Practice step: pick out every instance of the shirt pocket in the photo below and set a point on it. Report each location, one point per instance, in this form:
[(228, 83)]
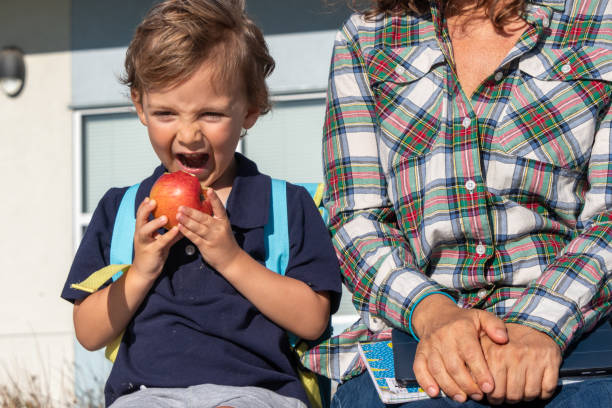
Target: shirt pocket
[(408, 94), (555, 109)]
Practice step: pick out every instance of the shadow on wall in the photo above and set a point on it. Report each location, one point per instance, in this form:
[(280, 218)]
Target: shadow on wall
[(40, 26)]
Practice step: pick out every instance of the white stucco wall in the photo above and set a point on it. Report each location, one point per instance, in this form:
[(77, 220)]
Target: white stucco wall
[(36, 335)]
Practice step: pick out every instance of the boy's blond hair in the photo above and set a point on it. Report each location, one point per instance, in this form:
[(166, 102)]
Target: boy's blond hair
[(177, 36)]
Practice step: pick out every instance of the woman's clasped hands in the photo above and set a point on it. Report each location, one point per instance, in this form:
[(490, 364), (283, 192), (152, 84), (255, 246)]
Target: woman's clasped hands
[(471, 353)]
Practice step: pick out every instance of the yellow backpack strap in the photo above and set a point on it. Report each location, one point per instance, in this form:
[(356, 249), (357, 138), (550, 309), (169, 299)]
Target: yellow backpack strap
[(99, 277), (309, 380), (113, 347), (122, 244), (318, 195)]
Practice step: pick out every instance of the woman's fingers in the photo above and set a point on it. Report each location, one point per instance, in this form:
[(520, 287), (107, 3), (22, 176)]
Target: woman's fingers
[(445, 380), (423, 376), (476, 370), (498, 395), (549, 382), (449, 370)]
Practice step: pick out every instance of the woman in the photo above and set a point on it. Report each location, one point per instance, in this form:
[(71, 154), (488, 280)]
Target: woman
[(467, 152)]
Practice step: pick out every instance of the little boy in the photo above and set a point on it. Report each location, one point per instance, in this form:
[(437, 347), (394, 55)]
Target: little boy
[(205, 322)]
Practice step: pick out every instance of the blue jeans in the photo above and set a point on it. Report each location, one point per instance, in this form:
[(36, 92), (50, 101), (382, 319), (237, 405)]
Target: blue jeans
[(359, 392)]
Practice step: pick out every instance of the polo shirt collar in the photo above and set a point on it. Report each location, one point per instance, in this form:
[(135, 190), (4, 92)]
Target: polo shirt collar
[(249, 201)]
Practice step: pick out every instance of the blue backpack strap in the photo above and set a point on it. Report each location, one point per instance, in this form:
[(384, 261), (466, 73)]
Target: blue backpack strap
[(122, 241), (276, 231)]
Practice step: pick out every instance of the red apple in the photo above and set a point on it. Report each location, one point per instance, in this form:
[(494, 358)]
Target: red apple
[(176, 189)]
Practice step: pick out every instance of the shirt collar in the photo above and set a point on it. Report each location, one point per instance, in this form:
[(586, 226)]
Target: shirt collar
[(557, 5), (249, 201), (436, 7)]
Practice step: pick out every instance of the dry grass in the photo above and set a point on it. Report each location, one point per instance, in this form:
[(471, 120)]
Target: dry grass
[(32, 392)]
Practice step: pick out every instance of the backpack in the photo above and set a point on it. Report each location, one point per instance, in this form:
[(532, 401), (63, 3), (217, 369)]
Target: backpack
[(276, 235)]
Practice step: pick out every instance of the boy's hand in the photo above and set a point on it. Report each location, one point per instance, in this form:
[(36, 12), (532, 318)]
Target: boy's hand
[(525, 368), (150, 247), (212, 235)]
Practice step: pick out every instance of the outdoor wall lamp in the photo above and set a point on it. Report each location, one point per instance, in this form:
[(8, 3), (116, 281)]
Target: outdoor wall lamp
[(12, 71)]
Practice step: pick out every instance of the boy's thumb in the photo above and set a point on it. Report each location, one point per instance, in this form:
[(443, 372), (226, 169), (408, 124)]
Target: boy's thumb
[(494, 327)]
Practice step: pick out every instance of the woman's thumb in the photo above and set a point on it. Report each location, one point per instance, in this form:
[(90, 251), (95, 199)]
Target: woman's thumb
[(494, 327)]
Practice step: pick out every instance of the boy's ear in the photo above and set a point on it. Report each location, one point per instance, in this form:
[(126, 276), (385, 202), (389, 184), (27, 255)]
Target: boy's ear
[(137, 101), (250, 118)]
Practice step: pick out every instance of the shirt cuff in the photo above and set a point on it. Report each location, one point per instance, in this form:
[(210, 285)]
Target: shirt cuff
[(549, 312)]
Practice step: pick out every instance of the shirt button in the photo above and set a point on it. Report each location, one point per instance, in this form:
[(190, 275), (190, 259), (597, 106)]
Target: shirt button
[(190, 250), (470, 185), (499, 75), (566, 68), (400, 70), (482, 293), (466, 122), (545, 22), (480, 249)]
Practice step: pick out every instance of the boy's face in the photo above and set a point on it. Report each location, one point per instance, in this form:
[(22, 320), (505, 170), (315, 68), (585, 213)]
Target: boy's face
[(195, 128)]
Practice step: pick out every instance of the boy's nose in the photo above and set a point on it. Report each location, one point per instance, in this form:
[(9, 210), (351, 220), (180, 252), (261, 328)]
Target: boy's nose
[(190, 134)]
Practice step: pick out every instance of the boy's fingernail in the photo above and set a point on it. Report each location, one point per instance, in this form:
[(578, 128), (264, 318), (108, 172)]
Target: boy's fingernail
[(476, 397), (431, 391)]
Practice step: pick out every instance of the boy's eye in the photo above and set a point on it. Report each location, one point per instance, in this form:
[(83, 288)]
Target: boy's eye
[(162, 113), (211, 114)]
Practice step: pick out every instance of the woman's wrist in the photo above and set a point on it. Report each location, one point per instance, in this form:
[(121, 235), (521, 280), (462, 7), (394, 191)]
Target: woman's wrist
[(424, 312)]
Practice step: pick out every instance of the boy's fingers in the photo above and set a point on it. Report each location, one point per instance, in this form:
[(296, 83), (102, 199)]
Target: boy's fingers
[(144, 210), (169, 238), (193, 220), (216, 204), (190, 235), (150, 228)]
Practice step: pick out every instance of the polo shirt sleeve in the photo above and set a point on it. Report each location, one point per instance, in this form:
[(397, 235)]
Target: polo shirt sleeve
[(94, 250), (311, 255)]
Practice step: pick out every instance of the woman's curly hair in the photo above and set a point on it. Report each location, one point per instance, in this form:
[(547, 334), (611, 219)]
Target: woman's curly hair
[(499, 16)]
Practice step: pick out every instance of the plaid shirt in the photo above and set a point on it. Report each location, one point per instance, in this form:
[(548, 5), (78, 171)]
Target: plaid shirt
[(502, 199)]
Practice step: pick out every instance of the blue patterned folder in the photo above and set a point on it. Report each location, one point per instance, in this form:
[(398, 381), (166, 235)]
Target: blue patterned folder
[(378, 357)]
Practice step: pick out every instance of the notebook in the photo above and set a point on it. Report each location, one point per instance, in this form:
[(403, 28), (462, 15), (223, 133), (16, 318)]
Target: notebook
[(592, 356), (378, 358)]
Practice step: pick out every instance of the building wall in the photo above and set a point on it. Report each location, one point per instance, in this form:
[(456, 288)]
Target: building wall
[(36, 205), (74, 55)]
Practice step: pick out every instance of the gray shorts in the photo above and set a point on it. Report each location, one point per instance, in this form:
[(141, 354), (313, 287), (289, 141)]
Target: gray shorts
[(206, 396)]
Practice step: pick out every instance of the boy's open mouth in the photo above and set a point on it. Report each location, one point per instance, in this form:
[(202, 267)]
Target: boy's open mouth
[(193, 160)]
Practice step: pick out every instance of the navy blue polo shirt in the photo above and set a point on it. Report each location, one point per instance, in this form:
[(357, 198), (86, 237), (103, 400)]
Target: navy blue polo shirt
[(193, 327)]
